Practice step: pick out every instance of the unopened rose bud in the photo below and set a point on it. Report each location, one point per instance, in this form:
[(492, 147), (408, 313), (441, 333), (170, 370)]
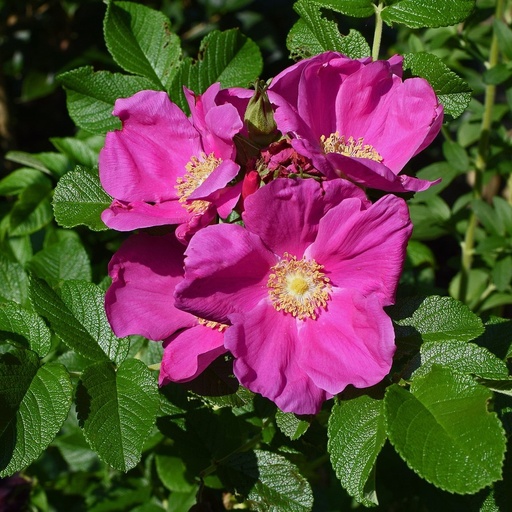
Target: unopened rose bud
[(259, 117)]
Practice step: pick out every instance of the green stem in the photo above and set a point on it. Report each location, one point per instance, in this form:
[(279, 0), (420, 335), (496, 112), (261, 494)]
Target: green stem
[(377, 36), (468, 244)]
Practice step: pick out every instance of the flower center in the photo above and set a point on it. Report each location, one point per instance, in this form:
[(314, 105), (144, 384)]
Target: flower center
[(197, 171), (298, 287), (213, 325), (349, 147)]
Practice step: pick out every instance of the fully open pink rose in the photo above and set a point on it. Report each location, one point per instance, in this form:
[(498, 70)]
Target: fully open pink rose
[(303, 286), (166, 168), (144, 271), (358, 119)]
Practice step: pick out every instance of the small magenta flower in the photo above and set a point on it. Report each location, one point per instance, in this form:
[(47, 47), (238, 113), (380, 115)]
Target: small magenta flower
[(358, 119), (165, 168), (145, 271), (302, 287)]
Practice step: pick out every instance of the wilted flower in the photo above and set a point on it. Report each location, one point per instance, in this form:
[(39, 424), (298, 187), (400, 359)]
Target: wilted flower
[(303, 287), (357, 119)]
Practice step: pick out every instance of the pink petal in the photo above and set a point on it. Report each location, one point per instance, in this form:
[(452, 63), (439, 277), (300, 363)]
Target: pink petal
[(145, 270), (189, 352), (351, 343), (364, 249), (142, 161), (129, 216), (266, 345), (226, 270), (217, 180), (286, 212)]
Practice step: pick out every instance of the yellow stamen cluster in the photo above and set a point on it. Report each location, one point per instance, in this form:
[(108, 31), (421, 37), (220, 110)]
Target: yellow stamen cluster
[(298, 287), (349, 147), (197, 171), (213, 325)]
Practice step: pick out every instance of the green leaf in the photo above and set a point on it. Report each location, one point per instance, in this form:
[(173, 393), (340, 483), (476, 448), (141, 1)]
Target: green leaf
[(453, 93), (462, 357), (17, 320), (291, 425), (172, 471), (51, 163), (62, 261), (13, 281), (79, 150), (313, 34), (15, 182), (497, 74), (503, 386), (32, 211), (488, 217), (504, 213), (80, 199), (504, 35), (429, 218), (269, 482), (35, 402), (356, 435), (444, 432), (75, 451), (435, 319), (456, 155), (117, 410), (141, 42), (227, 57), (502, 273), (78, 318), (434, 13), (91, 96)]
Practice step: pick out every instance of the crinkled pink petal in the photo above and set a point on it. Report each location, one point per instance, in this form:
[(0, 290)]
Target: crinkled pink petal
[(267, 347), (285, 213), (350, 343), (188, 353), (144, 271), (136, 215), (142, 161), (364, 249), (186, 230), (226, 271), (228, 199)]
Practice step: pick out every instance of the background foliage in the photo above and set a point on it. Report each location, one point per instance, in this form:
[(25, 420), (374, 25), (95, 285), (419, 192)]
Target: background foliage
[(84, 425)]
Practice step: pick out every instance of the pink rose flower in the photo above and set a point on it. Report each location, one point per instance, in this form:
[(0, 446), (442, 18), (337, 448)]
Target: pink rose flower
[(303, 287), (358, 119), (164, 168), (144, 271)]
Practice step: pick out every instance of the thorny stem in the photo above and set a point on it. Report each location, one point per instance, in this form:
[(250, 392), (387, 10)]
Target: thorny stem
[(480, 164), (377, 35)]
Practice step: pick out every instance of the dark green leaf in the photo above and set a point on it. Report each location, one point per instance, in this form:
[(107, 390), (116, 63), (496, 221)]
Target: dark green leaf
[(436, 319), (78, 318), (502, 273), (291, 425), (313, 34), (80, 199), (62, 261), (356, 435), (227, 57), (17, 320), (13, 281), (35, 402), (17, 181), (445, 433), (456, 155), (141, 42), (117, 410), (497, 74), (434, 13), (91, 96), (270, 483), (32, 211), (453, 93), (462, 357)]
